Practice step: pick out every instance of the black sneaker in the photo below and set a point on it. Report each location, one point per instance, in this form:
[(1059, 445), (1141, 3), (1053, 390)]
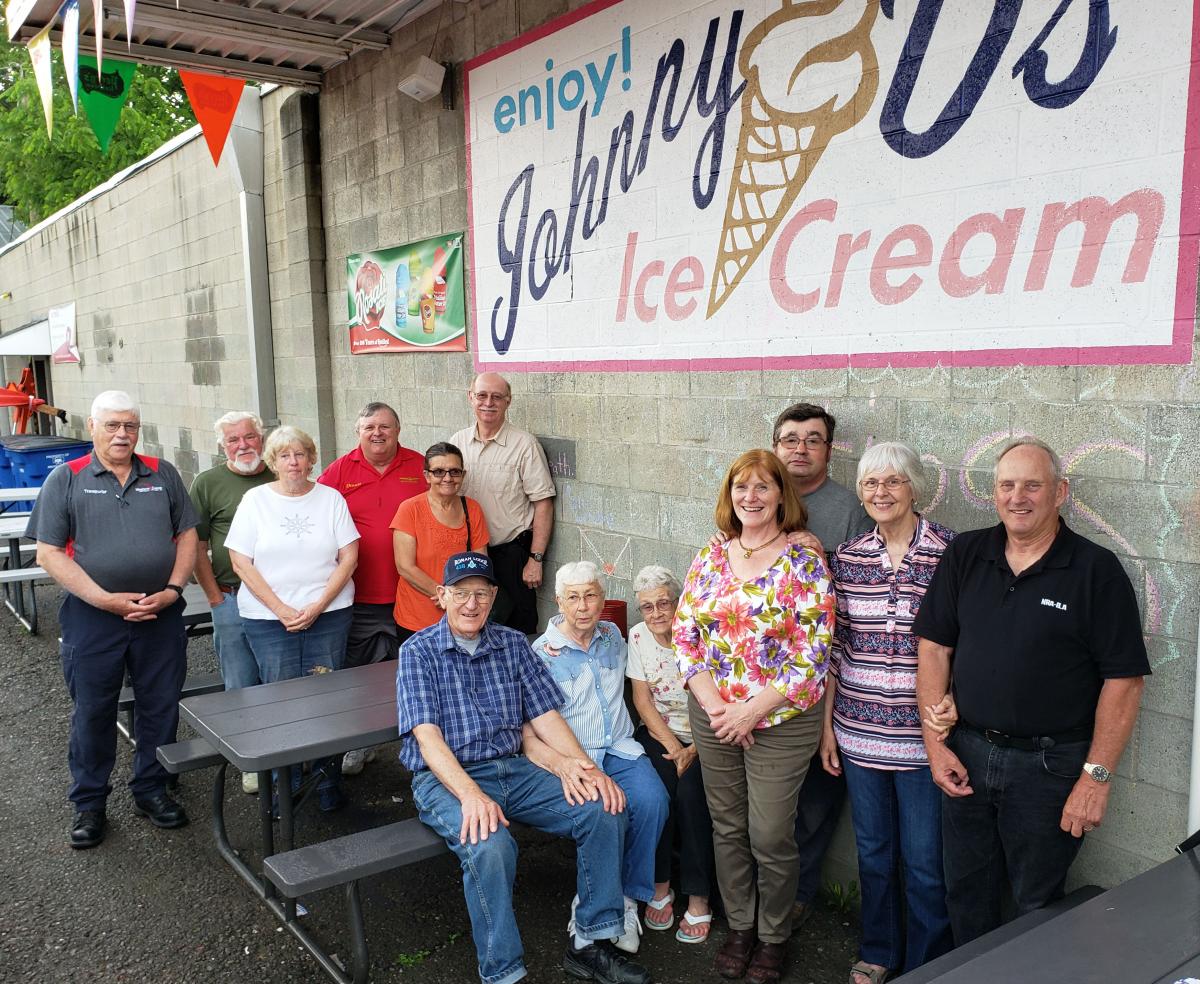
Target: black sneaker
[(601, 961), (88, 828), (161, 810)]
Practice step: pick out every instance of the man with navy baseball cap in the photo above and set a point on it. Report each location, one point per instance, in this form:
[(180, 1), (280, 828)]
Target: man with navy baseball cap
[(465, 689)]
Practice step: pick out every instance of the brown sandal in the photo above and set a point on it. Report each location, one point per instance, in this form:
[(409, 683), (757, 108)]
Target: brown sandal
[(735, 952), (766, 966), (875, 975)]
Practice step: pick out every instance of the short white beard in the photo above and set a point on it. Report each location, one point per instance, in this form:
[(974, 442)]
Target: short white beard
[(247, 467)]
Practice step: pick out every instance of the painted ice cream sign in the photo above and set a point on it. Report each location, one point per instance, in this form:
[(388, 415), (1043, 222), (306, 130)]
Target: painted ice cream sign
[(712, 185)]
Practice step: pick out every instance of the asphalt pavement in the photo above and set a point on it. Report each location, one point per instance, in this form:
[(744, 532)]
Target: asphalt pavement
[(161, 906)]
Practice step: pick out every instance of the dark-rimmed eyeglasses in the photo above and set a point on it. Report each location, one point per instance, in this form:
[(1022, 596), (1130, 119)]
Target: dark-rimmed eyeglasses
[(812, 442), (445, 472)]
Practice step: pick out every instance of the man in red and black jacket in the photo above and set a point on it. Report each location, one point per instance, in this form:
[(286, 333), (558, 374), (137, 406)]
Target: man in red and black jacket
[(117, 531)]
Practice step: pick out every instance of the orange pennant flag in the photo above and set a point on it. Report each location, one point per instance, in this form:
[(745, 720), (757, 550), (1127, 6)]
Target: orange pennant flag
[(214, 100)]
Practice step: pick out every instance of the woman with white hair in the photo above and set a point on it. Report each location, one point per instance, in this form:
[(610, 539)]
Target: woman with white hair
[(666, 735), (586, 657), (295, 547), (872, 727)]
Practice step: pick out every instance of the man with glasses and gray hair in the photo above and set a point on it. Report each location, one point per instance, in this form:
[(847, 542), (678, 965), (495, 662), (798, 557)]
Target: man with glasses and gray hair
[(802, 440), (1039, 629), (216, 495), (117, 531)]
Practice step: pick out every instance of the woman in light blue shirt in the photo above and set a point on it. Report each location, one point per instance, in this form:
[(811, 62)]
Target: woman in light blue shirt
[(586, 657)]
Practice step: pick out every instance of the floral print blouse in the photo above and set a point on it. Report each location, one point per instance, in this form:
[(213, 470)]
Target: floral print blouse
[(772, 631)]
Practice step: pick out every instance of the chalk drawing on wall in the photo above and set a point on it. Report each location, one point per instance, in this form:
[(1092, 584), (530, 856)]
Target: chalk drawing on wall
[(609, 551)]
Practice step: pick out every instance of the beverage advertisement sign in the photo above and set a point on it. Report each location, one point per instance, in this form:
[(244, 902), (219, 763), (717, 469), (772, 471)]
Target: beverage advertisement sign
[(408, 298), (823, 183)]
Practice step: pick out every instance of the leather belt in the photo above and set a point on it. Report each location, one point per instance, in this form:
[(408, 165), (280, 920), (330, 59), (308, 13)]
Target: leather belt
[(1028, 744), (227, 588)]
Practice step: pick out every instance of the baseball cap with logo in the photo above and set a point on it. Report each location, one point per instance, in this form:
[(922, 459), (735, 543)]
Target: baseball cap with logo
[(464, 565)]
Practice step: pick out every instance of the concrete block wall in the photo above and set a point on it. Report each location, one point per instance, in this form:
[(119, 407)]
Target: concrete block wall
[(154, 268), (652, 447)]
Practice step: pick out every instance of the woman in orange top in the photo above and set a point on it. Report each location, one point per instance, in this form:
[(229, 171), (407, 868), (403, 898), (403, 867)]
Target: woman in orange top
[(426, 530)]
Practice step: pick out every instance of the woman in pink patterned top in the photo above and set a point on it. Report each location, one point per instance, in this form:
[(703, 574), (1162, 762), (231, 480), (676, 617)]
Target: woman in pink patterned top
[(752, 637)]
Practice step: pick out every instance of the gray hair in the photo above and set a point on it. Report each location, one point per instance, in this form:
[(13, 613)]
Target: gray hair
[(236, 417), (580, 572), (897, 456), (286, 437), (656, 576), (374, 407), (1028, 441), (114, 401)]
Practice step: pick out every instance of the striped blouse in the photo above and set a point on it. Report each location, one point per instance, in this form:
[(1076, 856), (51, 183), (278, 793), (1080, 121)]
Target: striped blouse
[(875, 715)]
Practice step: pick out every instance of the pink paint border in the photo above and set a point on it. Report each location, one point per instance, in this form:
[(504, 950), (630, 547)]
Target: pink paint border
[(1178, 352)]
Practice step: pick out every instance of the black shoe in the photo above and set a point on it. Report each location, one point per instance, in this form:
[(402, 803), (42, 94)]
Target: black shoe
[(161, 810), (88, 829), (601, 961)]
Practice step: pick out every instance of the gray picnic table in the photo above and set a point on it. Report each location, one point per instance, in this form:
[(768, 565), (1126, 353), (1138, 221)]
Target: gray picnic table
[(280, 726), (1143, 931)]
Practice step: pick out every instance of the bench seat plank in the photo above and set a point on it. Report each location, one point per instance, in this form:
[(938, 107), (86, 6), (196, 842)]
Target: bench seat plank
[(346, 859), (187, 756), (202, 683), (23, 574)]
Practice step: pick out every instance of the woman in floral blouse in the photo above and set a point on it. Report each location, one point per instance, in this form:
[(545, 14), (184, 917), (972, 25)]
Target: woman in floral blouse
[(752, 636), (872, 726)]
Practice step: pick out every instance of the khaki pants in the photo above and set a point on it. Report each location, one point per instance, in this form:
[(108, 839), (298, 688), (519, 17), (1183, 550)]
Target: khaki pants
[(751, 795)]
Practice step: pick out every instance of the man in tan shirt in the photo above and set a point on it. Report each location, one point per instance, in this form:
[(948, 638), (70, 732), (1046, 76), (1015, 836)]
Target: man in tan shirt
[(507, 474)]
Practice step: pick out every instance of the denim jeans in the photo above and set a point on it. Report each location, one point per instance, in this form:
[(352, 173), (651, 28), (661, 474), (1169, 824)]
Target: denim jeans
[(898, 822), (647, 805), (238, 666), (530, 795), (1007, 829), (284, 655)]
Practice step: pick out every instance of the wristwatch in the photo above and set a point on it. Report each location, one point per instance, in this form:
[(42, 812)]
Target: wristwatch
[(176, 588), (537, 555), (1097, 772)]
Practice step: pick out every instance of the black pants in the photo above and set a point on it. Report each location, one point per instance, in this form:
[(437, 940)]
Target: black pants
[(688, 821), (516, 603), (374, 635), (817, 814)]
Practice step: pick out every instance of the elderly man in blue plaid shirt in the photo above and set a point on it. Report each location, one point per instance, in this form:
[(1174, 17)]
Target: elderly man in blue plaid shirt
[(464, 689)]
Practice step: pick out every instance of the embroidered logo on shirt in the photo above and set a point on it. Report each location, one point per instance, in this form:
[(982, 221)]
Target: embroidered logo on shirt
[(296, 524), (95, 491), (149, 488), (1051, 603), (350, 486)]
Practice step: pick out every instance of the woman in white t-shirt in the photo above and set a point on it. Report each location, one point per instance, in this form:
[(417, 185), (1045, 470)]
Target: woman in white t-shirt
[(295, 547), (666, 735)]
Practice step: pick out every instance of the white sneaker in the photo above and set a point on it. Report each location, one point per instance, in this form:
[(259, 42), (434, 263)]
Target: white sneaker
[(352, 762), (631, 939), (250, 782), (571, 921)]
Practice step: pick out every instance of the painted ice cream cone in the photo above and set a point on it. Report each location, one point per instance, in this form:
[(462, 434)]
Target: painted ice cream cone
[(791, 110)]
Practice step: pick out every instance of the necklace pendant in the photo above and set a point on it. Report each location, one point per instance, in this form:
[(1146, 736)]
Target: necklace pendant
[(747, 553)]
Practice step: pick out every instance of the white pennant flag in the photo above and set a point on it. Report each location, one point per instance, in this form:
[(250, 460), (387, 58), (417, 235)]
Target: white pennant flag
[(130, 6), (39, 54), (70, 48), (98, 30)]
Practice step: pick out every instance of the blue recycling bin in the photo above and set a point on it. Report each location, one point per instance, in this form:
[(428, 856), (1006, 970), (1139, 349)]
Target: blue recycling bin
[(31, 457)]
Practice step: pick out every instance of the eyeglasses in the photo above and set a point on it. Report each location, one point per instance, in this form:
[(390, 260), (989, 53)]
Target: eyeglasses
[(444, 472), (481, 596), (891, 484), (650, 607), (490, 397), (112, 426), (812, 442)]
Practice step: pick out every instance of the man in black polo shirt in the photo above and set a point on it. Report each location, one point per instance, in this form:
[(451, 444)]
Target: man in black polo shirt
[(117, 531), (1040, 630)]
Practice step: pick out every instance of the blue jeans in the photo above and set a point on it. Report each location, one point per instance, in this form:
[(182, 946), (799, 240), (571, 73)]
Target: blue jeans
[(284, 655), (898, 821), (1007, 830), (647, 804), (238, 666), (533, 796)]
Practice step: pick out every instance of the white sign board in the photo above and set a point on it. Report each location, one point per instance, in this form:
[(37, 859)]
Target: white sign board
[(680, 184)]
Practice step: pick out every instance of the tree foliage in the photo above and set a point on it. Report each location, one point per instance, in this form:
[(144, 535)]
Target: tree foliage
[(38, 174)]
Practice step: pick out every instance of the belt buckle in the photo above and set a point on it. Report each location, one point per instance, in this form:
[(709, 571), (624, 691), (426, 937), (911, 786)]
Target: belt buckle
[(995, 737)]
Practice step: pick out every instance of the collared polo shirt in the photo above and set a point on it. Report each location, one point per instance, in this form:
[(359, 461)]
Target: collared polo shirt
[(1031, 652), (122, 536), (594, 685), (479, 700), (506, 476), (373, 500)]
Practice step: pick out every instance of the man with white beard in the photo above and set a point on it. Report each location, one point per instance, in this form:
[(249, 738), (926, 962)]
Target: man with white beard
[(216, 495)]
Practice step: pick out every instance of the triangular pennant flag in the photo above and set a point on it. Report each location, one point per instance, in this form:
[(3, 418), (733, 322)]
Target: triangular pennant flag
[(70, 48), (130, 6), (39, 54), (98, 31), (104, 94), (214, 100)]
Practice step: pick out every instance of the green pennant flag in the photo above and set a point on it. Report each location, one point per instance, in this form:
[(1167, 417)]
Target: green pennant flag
[(103, 94)]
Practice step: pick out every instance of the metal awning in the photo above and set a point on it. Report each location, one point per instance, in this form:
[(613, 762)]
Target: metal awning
[(291, 42), (33, 339)]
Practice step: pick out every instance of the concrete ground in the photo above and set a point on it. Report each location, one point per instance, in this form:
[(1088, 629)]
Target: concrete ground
[(161, 906)]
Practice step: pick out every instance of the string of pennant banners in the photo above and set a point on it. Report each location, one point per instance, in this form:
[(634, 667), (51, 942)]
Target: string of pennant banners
[(103, 85)]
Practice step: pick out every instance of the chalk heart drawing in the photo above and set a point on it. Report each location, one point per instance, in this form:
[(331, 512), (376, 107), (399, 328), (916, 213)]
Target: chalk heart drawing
[(609, 551)]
